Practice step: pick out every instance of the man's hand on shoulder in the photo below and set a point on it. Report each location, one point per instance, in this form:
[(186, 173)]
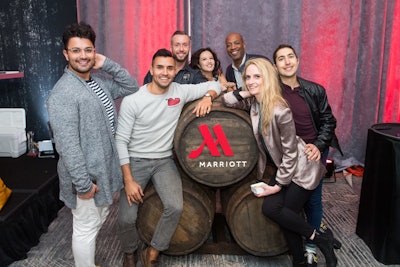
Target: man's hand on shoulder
[(99, 61)]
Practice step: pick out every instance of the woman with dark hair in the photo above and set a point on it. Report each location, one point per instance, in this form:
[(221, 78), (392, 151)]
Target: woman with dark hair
[(206, 60)]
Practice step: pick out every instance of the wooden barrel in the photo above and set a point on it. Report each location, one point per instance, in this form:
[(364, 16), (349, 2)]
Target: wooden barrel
[(252, 231), (194, 225), (218, 149)]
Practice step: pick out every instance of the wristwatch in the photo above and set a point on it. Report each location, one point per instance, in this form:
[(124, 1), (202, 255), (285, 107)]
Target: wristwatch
[(208, 95)]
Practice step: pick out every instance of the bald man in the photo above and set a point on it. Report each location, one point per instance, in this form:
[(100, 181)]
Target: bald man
[(236, 50)]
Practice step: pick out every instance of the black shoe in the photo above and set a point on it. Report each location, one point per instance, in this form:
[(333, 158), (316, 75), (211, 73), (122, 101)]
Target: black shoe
[(324, 241), (299, 264), (324, 229), (336, 243)]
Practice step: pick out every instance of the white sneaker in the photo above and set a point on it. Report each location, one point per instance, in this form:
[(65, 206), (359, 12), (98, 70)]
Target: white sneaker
[(311, 259)]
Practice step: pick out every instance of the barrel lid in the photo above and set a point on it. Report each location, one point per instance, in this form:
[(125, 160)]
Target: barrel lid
[(216, 150)]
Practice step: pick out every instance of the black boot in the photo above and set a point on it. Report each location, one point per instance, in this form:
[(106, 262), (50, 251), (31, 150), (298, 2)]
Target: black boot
[(336, 243), (299, 264), (324, 229), (324, 241)]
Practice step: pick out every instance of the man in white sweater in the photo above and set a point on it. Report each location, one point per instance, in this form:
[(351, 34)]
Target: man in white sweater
[(144, 139)]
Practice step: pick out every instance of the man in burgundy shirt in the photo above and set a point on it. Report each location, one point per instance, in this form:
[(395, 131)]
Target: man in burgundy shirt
[(315, 124)]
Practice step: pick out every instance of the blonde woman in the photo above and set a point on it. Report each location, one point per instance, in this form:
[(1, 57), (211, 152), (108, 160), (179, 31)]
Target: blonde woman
[(297, 175), (206, 60)]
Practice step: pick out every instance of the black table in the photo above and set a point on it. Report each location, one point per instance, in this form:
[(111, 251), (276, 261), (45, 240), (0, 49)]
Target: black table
[(32, 206), (378, 222)]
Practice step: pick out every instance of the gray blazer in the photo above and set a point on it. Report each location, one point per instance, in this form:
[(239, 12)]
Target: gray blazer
[(83, 136), (285, 148)]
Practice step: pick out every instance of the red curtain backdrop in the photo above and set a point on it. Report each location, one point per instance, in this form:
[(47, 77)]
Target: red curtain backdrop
[(131, 31), (349, 47), (391, 112), (323, 58)]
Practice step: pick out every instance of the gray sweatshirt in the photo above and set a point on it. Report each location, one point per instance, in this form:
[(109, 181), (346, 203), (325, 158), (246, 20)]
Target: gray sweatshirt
[(147, 122)]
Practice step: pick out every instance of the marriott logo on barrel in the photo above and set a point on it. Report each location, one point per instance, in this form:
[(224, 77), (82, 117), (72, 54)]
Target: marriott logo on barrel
[(218, 149), (212, 145)]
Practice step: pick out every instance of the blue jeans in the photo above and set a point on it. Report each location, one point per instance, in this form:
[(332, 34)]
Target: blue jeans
[(168, 184), (313, 207)]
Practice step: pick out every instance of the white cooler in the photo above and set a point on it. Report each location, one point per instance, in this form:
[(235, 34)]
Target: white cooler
[(12, 132)]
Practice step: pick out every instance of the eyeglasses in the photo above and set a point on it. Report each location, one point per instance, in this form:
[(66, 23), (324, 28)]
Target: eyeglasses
[(76, 51)]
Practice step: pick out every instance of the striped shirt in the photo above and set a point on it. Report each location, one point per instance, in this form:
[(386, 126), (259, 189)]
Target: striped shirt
[(105, 100)]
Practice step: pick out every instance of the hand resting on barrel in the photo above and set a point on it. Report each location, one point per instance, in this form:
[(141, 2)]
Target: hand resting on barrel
[(204, 105)]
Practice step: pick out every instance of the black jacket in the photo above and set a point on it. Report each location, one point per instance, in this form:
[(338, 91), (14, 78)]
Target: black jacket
[(230, 74), (323, 119), (187, 75)]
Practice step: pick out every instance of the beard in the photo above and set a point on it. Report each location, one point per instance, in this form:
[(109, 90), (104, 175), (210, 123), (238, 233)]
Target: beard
[(181, 60), (79, 69)]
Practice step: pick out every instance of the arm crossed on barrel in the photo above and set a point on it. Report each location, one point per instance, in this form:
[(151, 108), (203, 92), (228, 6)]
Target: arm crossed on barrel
[(203, 107)]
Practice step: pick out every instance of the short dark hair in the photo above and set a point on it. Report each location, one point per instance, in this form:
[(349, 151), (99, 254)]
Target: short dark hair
[(280, 47), (195, 59), (161, 53), (81, 30)]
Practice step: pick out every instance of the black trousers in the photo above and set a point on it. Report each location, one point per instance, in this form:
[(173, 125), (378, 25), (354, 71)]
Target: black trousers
[(285, 209)]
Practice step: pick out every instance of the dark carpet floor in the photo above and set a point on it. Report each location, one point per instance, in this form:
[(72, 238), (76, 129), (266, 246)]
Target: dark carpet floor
[(340, 202)]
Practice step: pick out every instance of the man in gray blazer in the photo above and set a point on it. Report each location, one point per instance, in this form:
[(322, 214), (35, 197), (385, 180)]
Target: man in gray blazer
[(82, 116)]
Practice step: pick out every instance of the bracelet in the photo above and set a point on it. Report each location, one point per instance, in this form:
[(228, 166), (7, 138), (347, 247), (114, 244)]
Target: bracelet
[(236, 93)]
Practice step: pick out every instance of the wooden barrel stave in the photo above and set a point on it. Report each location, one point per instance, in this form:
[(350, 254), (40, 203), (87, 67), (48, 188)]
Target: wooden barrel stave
[(194, 225), (253, 232)]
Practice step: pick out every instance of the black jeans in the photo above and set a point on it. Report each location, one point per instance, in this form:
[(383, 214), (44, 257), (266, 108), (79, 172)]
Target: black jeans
[(285, 209)]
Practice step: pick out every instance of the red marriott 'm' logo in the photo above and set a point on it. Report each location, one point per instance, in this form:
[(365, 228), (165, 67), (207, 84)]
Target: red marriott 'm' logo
[(211, 143)]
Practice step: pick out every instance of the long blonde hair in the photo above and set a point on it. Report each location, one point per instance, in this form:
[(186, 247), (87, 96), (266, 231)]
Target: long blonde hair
[(271, 92)]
